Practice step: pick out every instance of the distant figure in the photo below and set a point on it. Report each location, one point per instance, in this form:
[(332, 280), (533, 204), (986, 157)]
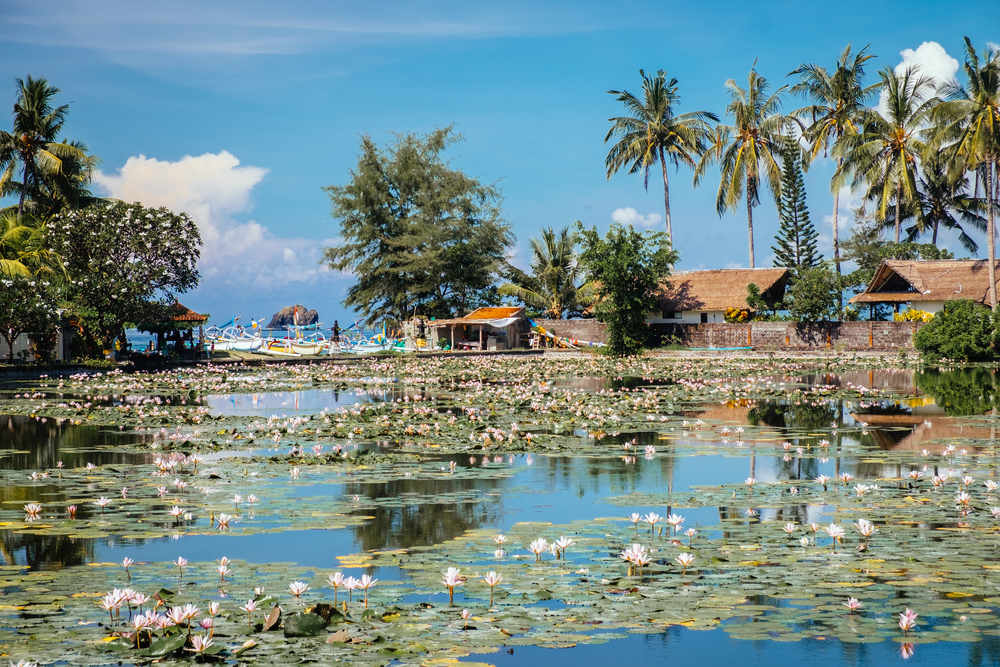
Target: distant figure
[(421, 329), (336, 331)]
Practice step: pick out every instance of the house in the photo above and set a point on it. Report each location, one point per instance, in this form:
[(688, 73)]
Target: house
[(482, 329), (703, 296), (927, 285)]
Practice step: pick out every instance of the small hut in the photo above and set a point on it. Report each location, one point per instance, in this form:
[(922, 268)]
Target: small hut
[(927, 285), (703, 296), (482, 329), (176, 326)]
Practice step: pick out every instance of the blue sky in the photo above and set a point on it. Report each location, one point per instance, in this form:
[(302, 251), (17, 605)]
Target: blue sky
[(239, 112)]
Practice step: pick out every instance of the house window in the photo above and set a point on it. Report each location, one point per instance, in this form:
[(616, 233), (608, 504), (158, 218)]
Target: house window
[(704, 318), (672, 315)]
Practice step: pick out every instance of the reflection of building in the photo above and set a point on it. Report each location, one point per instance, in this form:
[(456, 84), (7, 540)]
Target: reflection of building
[(927, 423)]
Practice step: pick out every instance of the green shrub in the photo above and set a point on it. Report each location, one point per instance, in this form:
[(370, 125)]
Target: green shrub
[(963, 331)]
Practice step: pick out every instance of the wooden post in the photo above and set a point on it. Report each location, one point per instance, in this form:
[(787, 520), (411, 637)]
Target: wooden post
[(749, 335), (871, 334), (452, 328), (480, 337)]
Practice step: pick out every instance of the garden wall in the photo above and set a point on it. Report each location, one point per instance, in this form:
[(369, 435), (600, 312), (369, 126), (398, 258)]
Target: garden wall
[(758, 334)]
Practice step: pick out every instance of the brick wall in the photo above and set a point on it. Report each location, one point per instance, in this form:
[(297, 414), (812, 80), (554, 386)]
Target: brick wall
[(793, 334), (589, 330)]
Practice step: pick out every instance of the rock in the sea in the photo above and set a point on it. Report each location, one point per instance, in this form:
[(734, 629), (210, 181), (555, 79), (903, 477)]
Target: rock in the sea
[(285, 317)]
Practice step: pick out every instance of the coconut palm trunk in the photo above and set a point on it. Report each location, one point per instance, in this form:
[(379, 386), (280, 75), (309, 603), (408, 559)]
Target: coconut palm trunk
[(666, 200), (750, 223), (899, 193), (991, 234)]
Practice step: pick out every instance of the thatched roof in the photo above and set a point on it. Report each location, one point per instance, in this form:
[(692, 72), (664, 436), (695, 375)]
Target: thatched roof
[(494, 316), (718, 289), (176, 317), (897, 281)]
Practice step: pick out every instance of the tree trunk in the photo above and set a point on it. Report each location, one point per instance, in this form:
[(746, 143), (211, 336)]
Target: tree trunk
[(836, 238), (666, 201), (750, 223), (934, 236), (991, 235), (899, 193), (24, 189)]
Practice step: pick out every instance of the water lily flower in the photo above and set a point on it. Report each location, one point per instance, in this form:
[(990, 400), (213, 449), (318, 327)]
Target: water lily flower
[(297, 588), (251, 607), (835, 532), (789, 528), (366, 582), (176, 512), (492, 579), (866, 528), (562, 543), (453, 577), (237, 499), (251, 499), (33, 510), (223, 570), (295, 472), (635, 518), (675, 520), (538, 547), (224, 520), (500, 539), (853, 604), (102, 502), (350, 583), (336, 580), (126, 562), (907, 620), (651, 519), (685, 560), (199, 644), (72, 511), (822, 480), (963, 499), (180, 563)]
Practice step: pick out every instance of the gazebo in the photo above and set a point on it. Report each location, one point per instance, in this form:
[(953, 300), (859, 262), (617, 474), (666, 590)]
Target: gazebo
[(176, 325)]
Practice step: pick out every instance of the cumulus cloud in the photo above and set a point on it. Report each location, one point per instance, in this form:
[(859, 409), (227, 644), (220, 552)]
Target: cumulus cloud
[(212, 188), (933, 61), (629, 216)]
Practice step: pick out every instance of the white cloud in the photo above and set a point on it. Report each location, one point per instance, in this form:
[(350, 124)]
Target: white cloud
[(933, 61), (212, 188), (629, 216)]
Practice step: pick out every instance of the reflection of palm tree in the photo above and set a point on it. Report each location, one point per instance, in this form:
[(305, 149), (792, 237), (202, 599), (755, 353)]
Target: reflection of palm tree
[(554, 284)]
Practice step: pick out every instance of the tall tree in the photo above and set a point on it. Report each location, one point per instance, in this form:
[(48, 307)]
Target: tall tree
[(885, 154), (628, 269), (944, 201), (126, 263), (32, 146), (652, 133), (747, 150), (839, 107), (417, 234), (969, 121), (555, 286), (796, 240)]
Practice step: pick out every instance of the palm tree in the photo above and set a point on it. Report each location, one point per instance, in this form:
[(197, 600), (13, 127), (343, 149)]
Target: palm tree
[(970, 120), (32, 145), (749, 148), (553, 286), (943, 200), (651, 133), (22, 246), (885, 153), (839, 107)]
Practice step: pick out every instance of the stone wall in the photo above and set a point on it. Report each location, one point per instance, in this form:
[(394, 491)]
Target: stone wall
[(858, 335)]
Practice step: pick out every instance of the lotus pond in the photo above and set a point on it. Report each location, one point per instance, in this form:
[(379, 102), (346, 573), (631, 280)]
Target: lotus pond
[(503, 510)]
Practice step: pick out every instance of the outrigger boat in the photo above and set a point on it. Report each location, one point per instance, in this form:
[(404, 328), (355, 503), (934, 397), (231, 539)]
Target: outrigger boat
[(232, 336)]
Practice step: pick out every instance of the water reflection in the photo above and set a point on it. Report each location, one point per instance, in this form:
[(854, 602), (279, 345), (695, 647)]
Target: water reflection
[(30, 443), (308, 401)]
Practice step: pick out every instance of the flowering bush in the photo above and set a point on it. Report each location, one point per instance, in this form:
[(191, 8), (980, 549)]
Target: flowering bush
[(911, 315), (27, 305), (737, 315)]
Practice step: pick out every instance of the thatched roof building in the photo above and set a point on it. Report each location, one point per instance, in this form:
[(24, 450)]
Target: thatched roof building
[(927, 285), (481, 329), (704, 296)]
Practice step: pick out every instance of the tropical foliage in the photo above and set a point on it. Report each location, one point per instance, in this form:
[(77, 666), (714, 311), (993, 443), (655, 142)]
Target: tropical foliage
[(795, 243), (420, 236), (654, 133), (126, 263), (748, 151), (628, 269), (556, 287), (963, 331)]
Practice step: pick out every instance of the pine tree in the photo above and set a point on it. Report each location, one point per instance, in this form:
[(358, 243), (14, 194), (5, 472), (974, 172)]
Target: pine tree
[(796, 240)]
